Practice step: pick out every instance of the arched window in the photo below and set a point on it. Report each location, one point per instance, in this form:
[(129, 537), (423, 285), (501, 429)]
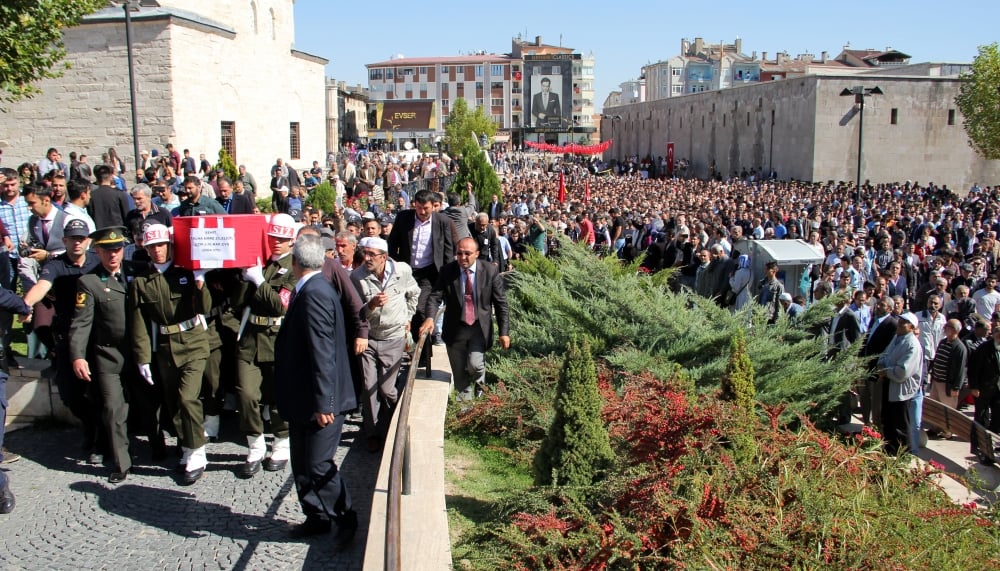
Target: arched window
[(253, 17), (274, 25)]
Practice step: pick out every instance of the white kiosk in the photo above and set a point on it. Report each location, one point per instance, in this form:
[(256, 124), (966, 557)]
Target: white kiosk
[(794, 257)]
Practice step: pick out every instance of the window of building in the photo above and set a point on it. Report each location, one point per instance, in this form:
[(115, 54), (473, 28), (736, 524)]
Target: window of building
[(515, 90), (677, 89), (389, 73), (676, 71), (294, 149), (444, 103), (496, 101), (951, 116), (748, 118), (515, 102), (253, 17), (479, 102), (375, 73), (516, 67), (228, 141), (894, 116), (423, 71), (479, 85), (772, 117), (479, 71), (723, 119), (445, 69), (498, 119), (496, 85), (407, 71), (496, 69), (588, 70), (423, 87)]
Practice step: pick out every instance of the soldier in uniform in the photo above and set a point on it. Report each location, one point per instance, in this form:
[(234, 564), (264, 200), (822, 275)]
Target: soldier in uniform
[(57, 281), (9, 302), (98, 347), (166, 307), (263, 303)]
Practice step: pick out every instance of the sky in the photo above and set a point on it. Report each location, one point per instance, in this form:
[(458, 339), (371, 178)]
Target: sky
[(625, 36)]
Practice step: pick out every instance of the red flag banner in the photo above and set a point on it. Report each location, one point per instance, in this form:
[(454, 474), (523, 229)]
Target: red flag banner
[(586, 191), (562, 188)]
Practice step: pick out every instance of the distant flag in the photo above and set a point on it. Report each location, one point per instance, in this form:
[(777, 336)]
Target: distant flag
[(562, 188), (586, 192)]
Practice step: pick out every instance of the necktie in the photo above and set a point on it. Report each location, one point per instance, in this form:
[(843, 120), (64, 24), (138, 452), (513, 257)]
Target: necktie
[(45, 232), (469, 313)]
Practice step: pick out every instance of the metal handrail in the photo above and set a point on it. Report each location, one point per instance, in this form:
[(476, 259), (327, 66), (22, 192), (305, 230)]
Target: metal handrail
[(398, 463)]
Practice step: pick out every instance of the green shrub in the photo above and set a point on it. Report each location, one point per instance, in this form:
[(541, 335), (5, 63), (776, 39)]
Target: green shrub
[(323, 196), (576, 450), (227, 165), (264, 205), (737, 382), (476, 169)]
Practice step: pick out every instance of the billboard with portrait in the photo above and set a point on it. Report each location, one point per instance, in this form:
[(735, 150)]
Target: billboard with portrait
[(549, 82)]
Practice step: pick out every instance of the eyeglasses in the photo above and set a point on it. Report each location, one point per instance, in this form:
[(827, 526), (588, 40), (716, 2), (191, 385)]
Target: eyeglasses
[(372, 254)]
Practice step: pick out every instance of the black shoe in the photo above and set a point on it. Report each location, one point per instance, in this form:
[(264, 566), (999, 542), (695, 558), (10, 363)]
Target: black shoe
[(180, 468), (373, 443), (312, 526), (117, 477), (347, 528), (6, 500), (9, 457), (191, 477), (159, 451), (248, 469), (275, 465), (95, 459)]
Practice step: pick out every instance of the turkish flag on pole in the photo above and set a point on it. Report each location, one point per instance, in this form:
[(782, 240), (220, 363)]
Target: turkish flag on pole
[(562, 188), (586, 191)]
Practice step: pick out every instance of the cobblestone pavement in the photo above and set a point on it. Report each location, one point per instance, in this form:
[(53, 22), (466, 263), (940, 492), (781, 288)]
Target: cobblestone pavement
[(69, 517)]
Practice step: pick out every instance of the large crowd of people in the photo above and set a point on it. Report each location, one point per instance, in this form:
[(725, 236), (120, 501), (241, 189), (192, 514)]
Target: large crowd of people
[(143, 346)]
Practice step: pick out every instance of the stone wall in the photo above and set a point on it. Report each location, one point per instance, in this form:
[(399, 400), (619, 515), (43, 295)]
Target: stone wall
[(192, 75), (814, 133), (87, 110), (32, 395)]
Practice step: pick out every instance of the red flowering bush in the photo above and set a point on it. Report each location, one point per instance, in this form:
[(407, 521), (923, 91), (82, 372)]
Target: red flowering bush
[(681, 498)]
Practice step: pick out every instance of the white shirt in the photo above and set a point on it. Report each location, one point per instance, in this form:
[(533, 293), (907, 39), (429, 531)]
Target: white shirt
[(421, 254), (74, 211), (471, 269)]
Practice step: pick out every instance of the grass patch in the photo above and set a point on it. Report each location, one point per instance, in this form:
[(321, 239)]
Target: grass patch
[(477, 475), (19, 340)]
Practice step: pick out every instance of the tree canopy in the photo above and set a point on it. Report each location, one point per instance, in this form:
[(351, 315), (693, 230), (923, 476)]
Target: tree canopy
[(979, 101), (462, 123), (31, 46)]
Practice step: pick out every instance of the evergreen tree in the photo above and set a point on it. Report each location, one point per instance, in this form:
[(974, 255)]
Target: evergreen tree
[(227, 165), (476, 169), (576, 449), (737, 382), (323, 197)]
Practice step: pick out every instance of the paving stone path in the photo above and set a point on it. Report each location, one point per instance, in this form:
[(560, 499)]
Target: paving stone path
[(69, 517)]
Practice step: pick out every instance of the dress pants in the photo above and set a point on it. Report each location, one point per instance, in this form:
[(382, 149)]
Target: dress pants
[(425, 278), (466, 354), (380, 362), (211, 380), (181, 391), (255, 386), (81, 398), (320, 487), (988, 409), (871, 400), (115, 417)]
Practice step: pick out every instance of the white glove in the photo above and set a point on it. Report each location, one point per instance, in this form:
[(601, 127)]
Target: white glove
[(146, 373), (199, 275), (254, 274)]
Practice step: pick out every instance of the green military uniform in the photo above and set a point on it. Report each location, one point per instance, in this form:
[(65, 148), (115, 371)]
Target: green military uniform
[(98, 333), (223, 286), (255, 363), (166, 317)]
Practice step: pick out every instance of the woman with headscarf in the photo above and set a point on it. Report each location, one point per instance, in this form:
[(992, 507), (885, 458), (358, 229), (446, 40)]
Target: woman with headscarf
[(740, 282)]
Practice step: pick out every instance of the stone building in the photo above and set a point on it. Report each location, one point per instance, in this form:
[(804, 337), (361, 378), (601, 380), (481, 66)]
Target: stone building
[(803, 128), (209, 75)]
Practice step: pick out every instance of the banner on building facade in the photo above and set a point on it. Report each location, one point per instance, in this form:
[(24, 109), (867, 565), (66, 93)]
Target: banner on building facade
[(548, 102), (406, 115), (670, 159)]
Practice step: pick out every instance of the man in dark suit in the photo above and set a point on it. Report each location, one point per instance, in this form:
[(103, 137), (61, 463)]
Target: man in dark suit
[(233, 203), (495, 208), (984, 381), (545, 106), (312, 362), (108, 205), (425, 240), (879, 335), (468, 323)]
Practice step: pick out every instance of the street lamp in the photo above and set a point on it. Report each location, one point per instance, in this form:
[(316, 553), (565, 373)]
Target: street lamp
[(860, 93), (132, 6)]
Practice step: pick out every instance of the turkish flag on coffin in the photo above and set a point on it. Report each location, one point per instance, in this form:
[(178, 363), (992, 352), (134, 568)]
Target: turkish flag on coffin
[(222, 241)]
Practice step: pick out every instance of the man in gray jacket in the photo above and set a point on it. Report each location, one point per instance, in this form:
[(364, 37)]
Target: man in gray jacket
[(390, 294), (902, 365)]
